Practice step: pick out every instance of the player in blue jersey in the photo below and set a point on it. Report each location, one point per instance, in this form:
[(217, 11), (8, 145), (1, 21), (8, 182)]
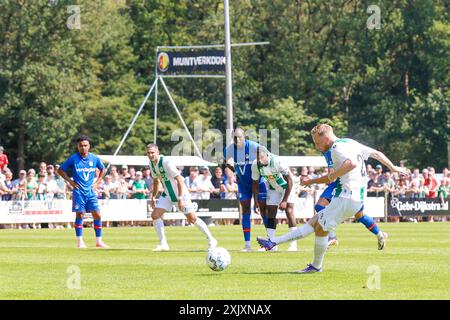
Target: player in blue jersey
[(239, 156), (83, 165)]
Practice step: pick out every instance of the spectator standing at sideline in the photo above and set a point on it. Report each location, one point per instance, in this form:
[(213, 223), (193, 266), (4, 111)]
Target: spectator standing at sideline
[(192, 183), (217, 181), (50, 181), (204, 184), (147, 177), (110, 188), (20, 186), (230, 187), (389, 183), (8, 186), (43, 168), (40, 193), (124, 172), (3, 159), (431, 184), (444, 190), (139, 187), (32, 185)]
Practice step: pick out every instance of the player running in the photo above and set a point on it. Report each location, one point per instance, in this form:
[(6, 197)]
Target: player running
[(325, 199), (239, 156), (83, 165), (279, 195), (348, 200), (175, 193)]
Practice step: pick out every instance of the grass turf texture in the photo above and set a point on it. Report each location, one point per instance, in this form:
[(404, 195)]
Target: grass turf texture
[(39, 264)]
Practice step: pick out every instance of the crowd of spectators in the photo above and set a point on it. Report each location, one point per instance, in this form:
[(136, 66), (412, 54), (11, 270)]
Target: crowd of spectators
[(127, 183)]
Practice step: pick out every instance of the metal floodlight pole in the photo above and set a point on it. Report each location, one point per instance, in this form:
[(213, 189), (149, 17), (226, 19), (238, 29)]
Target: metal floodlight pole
[(134, 119), (181, 118), (229, 85), (155, 111)]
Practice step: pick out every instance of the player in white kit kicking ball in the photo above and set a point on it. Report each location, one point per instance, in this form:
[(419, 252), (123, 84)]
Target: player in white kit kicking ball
[(348, 199), (175, 193)]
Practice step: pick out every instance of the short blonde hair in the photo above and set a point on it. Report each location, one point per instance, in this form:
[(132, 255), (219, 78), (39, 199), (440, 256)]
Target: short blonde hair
[(321, 129)]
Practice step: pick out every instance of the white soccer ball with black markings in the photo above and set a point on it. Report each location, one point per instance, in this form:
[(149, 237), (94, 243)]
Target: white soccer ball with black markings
[(218, 259)]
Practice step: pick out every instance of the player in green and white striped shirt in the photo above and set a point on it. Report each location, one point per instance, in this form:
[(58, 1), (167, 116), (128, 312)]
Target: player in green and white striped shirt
[(280, 190), (175, 193), (348, 199)]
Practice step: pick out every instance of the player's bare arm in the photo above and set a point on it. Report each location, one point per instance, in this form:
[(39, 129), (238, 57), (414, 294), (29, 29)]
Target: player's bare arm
[(255, 191), (180, 183), (290, 183), (99, 178), (155, 190), (347, 166), (64, 175), (385, 160)]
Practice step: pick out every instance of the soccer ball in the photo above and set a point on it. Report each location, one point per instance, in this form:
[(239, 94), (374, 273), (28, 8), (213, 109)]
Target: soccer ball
[(218, 259)]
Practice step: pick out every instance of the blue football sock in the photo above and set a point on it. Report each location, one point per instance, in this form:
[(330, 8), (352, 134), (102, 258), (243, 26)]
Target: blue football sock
[(318, 208), (79, 227), (369, 223), (246, 226), (98, 228)]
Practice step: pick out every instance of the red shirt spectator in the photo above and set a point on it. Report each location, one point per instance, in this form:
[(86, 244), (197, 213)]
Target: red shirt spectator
[(3, 159), (430, 183)]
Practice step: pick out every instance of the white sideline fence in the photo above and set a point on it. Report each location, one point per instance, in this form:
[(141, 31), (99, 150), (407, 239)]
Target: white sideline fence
[(60, 211)]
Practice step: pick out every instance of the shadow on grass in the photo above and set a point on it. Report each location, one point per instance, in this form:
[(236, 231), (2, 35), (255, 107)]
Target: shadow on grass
[(215, 273)]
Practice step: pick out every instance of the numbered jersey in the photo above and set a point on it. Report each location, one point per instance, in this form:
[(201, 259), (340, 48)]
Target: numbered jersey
[(273, 173), (352, 184)]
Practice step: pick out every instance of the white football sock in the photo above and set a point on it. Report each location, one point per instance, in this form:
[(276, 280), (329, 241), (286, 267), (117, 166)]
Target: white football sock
[(201, 225), (294, 242), (159, 227), (271, 233), (299, 233), (320, 247), (248, 244), (331, 234)]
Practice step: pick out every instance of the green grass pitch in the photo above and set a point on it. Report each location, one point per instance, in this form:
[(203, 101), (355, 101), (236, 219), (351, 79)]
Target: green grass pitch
[(44, 264)]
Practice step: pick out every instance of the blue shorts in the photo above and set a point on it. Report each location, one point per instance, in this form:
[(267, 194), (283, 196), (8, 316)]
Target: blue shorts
[(245, 191), (328, 192), (84, 203)]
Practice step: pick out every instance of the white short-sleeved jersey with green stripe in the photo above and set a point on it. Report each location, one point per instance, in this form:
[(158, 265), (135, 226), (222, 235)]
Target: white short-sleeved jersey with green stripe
[(352, 184), (166, 173), (273, 173)]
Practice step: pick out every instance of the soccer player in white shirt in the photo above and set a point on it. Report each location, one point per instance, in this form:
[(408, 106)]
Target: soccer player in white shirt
[(175, 193), (348, 199), (280, 192)]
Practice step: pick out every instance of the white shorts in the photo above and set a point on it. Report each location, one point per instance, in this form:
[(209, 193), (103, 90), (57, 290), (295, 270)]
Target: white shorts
[(274, 197), (339, 210), (165, 203)]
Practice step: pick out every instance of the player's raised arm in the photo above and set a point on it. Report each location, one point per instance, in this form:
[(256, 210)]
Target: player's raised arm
[(380, 156)]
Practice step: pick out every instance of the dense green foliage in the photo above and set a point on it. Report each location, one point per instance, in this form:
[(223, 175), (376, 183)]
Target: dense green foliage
[(387, 87)]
